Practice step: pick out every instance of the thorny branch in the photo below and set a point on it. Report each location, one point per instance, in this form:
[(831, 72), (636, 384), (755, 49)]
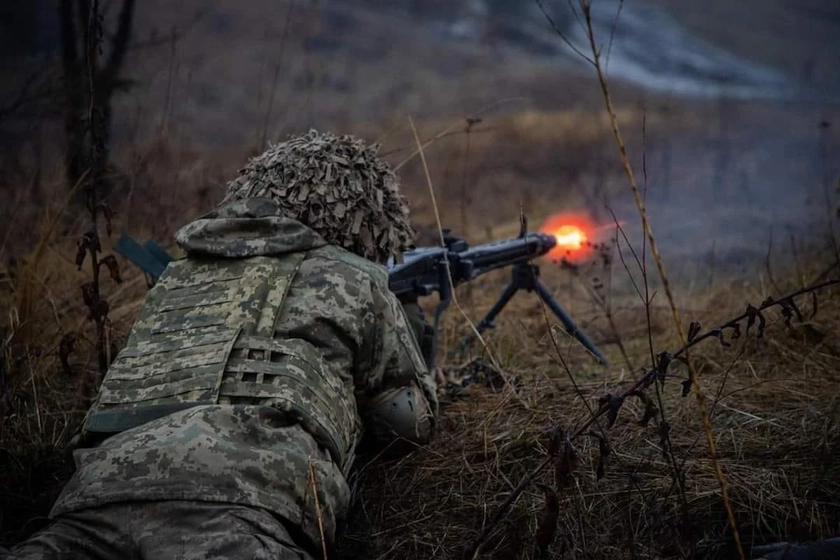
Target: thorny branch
[(610, 404)]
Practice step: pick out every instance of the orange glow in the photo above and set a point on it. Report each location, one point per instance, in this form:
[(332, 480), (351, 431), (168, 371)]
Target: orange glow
[(570, 237), (572, 232), (576, 235)]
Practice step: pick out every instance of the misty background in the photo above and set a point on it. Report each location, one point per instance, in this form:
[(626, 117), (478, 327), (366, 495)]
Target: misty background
[(740, 102)]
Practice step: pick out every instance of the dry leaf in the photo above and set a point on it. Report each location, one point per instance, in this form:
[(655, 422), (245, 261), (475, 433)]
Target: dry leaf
[(614, 403), (113, 268), (604, 451), (65, 348), (693, 330), (564, 457), (651, 409), (548, 520)]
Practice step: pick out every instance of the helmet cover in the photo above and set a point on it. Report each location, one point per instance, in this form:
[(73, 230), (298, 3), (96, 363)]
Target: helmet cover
[(337, 186)]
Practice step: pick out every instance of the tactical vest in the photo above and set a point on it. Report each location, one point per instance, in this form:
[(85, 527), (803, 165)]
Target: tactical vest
[(206, 335)]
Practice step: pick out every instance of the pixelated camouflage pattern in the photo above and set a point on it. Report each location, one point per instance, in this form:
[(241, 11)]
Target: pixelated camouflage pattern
[(206, 335), (247, 228), (335, 185), (186, 530), (341, 336)]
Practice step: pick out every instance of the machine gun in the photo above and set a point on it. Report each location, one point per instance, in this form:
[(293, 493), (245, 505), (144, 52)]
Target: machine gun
[(426, 270)]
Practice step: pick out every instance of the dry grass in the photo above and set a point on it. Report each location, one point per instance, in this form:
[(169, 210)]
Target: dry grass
[(773, 401), (774, 412), (155, 188), (774, 409)]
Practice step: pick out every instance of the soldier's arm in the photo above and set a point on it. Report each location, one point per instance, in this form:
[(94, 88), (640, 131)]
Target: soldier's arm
[(399, 394), (423, 332)]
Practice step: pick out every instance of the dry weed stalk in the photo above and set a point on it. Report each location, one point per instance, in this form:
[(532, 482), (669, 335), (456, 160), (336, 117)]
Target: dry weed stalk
[(600, 294), (263, 129), (103, 80), (317, 508), (443, 243), (464, 197), (446, 132), (653, 410), (90, 243), (640, 205)]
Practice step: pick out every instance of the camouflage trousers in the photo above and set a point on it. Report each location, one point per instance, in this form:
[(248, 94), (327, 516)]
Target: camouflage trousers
[(183, 530)]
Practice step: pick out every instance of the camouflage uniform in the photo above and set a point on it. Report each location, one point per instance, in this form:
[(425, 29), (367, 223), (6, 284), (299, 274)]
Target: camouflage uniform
[(228, 423)]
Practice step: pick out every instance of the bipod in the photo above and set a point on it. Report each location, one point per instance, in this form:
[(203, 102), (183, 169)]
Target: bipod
[(526, 276)]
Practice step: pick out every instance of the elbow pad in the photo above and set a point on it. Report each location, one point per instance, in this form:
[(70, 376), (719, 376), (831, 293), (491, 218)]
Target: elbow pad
[(403, 412)]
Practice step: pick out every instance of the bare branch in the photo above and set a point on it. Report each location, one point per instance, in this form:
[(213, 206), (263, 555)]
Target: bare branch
[(561, 35)]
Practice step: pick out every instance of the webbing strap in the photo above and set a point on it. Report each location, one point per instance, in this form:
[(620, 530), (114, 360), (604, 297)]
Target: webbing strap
[(118, 419)]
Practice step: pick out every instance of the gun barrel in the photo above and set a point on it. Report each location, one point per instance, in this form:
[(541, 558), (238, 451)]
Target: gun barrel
[(510, 251)]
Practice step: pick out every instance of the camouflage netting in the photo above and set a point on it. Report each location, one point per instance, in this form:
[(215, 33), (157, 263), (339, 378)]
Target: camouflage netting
[(337, 186)]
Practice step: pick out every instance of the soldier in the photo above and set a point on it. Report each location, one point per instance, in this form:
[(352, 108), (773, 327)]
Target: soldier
[(228, 424)]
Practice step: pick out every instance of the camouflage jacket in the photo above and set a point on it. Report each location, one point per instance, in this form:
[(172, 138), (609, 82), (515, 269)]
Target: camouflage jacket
[(343, 336)]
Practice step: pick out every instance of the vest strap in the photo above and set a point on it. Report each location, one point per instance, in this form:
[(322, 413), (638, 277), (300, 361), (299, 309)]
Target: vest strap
[(115, 420)]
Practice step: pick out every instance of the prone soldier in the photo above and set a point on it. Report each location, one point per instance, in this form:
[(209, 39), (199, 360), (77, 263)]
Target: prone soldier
[(227, 425)]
